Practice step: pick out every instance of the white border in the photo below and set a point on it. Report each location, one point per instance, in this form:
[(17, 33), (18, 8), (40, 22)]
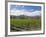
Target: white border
[(25, 32)]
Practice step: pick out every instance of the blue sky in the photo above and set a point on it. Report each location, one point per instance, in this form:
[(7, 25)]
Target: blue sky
[(29, 8), (26, 8)]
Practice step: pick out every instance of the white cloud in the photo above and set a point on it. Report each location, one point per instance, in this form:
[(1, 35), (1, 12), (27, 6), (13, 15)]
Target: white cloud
[(31, 10), (17, 12), (23, 12), (35, 13)]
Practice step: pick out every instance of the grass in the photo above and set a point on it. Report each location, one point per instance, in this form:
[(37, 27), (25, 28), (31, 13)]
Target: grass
[(26, 23)]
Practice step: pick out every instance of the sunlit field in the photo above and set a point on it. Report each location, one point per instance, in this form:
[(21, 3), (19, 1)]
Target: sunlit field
[(25, 24)]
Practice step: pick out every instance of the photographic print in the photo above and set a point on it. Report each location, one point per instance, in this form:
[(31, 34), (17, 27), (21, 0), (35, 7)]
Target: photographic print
[(25, 18)]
